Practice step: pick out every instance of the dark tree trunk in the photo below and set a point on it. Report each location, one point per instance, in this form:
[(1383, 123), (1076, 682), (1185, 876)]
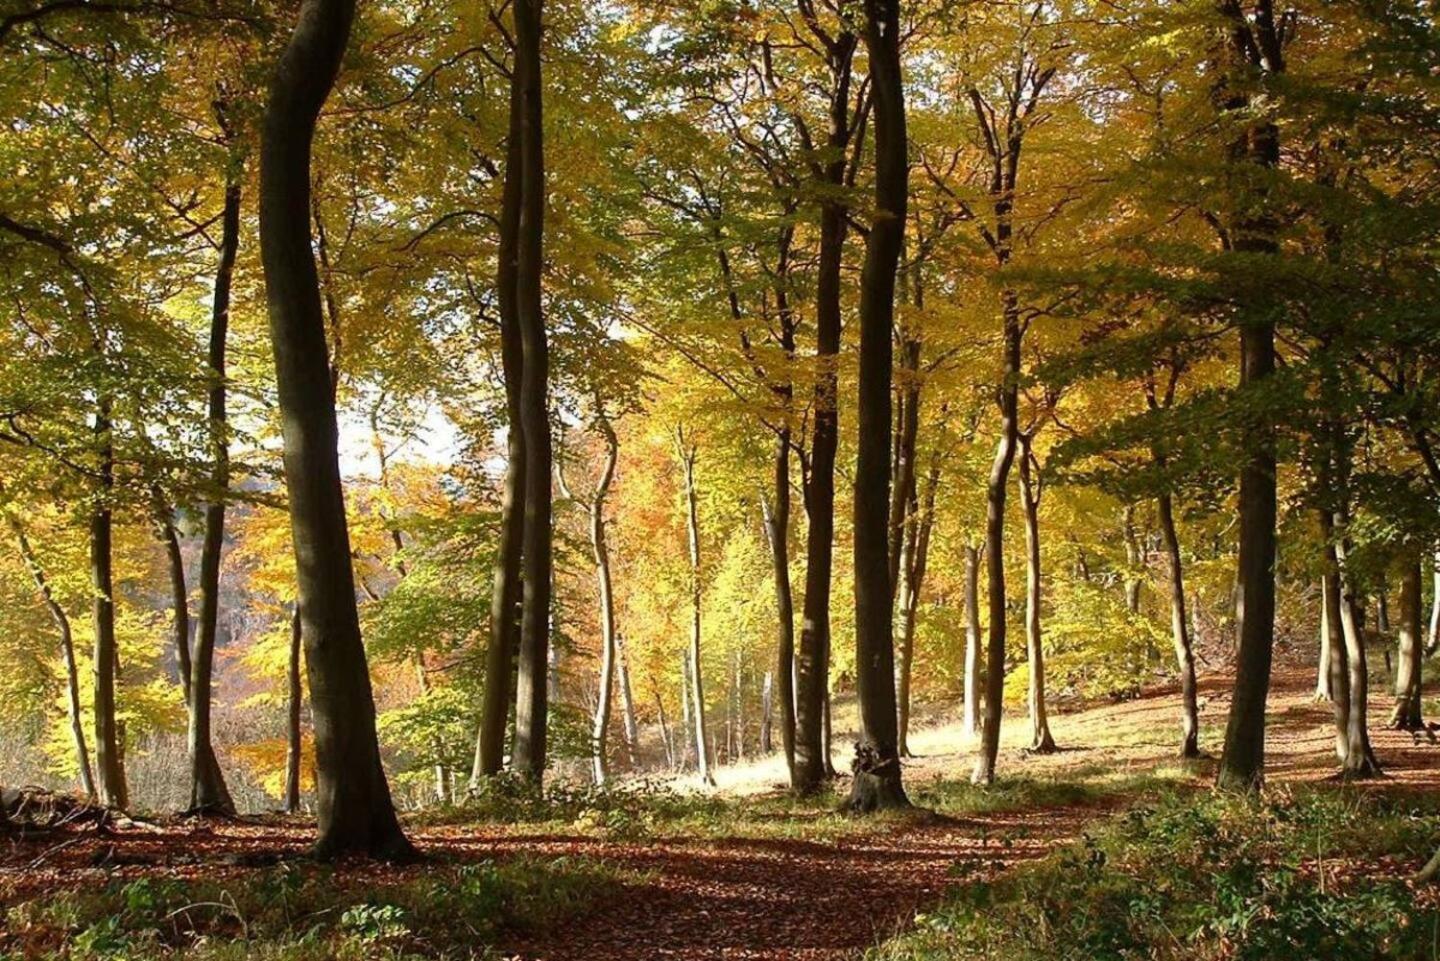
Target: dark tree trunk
[(353, 798), (531, 689), (916, 562), (208, 791), (294, 696), (67, 654), (109, 760), (971, 718), (903, 480), (777, 531), (505, 600), (767, 711), (1041, 740), (877, 776), (1180, 631), (1242, 763), (1406, 715)]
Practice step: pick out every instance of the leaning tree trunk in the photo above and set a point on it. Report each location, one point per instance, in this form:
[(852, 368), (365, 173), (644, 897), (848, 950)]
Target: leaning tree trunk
[(777, 532), (109, 760), (1180, 631), (877, 777), (531, 689), (505, 599), (970, 724), (1406, 715), (294, 695), (208, 792), (1041, 740), (608, 645), (67, 654), (353, 798), (687, 453)]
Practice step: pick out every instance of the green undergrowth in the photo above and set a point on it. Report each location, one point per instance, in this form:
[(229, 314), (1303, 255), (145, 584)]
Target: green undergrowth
[(309, 912), (647, 810), (1310, 874)]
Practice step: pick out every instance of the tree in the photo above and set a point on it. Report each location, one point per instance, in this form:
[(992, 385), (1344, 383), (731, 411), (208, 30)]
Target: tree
[(353, 799)]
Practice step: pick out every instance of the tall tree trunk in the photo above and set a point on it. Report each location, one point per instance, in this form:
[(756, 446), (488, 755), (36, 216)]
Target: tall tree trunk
[(903, 482), (294, 696), (353, 798), (970, 724), (531, 691), (1434, 641), (995, 542), (208, 792), (1242, 763), (1359, 761), (108, 757), (1041, 740), (608, 644), (777, 532), (505, 599), (877, 776), (1180, 631), (67, 654), (1406, 716), (687, 451), (767, 711), (1322, 670)]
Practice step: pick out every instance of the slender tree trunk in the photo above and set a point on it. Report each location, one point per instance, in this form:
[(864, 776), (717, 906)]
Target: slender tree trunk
[(666, 739), (353, 798), (608, 643), (1134, 560), (916, 564), (67, 654), (108, 758), (971, 707), (1434, 641), (1359, 761), (777, 531), (505, 600), (767, 711), (1322, 671), (627, 704), (531, 693), (995, 543), (1041, 740), (1180, 631), (1406, 715), (687, 452), (877, 775), (208, 792), (295, 695), (903, 485)]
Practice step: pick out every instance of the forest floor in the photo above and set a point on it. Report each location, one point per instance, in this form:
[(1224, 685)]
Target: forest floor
[(745, 873)]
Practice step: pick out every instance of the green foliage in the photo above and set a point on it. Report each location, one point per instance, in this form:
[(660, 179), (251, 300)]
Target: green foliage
[(1201, 877), (309, 912)]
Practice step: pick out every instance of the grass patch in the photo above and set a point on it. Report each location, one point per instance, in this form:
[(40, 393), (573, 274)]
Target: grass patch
[(1204, 877), (308, 912)]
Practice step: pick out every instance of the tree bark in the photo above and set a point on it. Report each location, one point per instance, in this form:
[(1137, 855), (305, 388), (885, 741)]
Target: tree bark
[(600, 547), (1406, 715), (67, 654), (109, 760), (1434, 642), (1180, 631), (1322, 670), (505, 599), (293, 747), (916, 563), (970, 724), (353, 798), (877, 776), (687, 451), (531, 690), (209, 793), (1242, 763), (1134, 559), (627, 704), (767, 711), (1041, 740), (777, 532)]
